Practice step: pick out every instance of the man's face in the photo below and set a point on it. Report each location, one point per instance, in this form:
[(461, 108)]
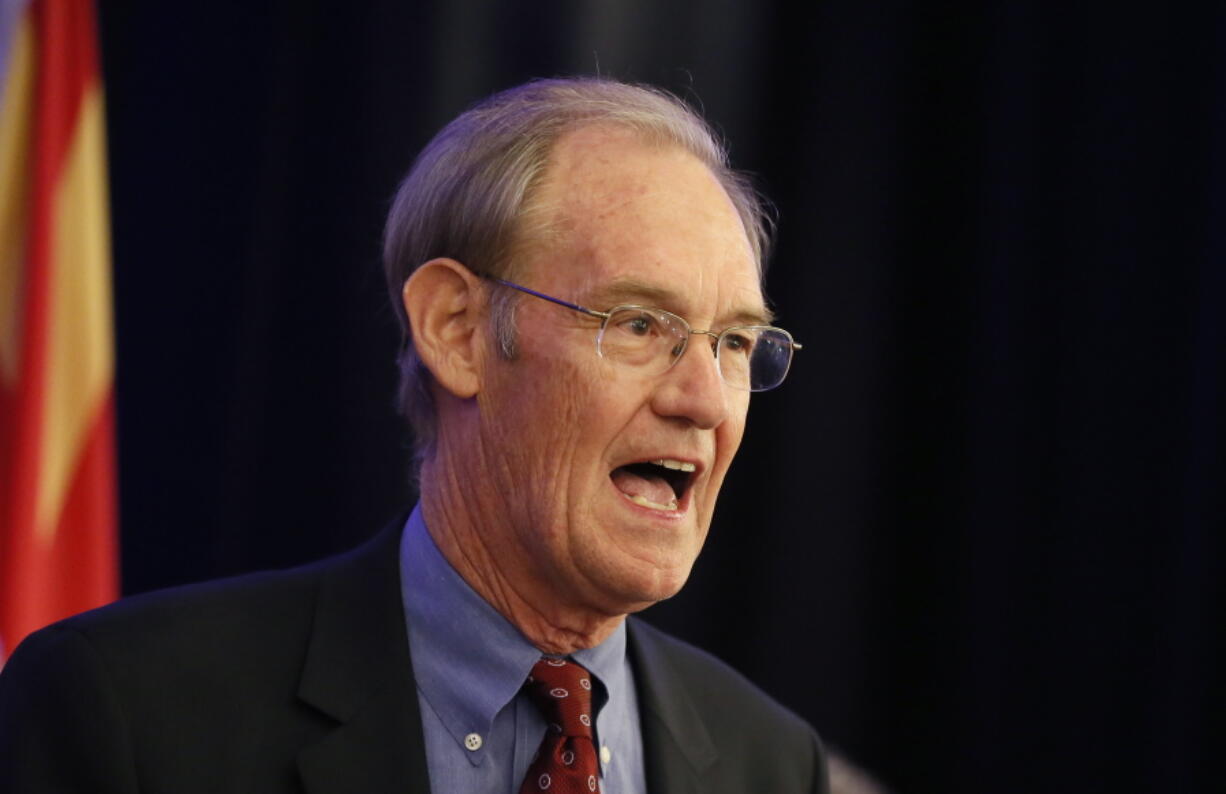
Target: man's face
[(631, 224)]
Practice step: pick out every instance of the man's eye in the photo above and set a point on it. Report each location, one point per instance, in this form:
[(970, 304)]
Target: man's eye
[(738, 343), (641, 325)]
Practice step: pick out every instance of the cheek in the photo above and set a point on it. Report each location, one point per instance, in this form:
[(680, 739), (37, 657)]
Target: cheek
[(551, 413)]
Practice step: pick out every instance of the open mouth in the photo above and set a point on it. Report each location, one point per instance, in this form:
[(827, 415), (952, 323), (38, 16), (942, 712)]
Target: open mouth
[(656, 484)]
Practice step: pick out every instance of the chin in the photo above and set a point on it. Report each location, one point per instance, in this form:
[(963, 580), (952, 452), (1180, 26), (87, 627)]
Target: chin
[(639, 591), (631, 564)]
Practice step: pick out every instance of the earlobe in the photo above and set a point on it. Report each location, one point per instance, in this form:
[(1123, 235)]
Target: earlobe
[(443, 301)]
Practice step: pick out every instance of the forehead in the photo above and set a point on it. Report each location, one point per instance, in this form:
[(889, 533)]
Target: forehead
[(629, 221)]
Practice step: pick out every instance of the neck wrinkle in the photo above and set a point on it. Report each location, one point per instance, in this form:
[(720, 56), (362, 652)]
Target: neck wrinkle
[(462, 536)]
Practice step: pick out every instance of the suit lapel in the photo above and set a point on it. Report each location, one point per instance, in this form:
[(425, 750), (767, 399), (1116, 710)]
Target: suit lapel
[(677, 748), (358, 671)]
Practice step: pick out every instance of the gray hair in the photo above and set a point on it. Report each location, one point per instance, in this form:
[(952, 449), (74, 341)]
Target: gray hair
[(469, 196)]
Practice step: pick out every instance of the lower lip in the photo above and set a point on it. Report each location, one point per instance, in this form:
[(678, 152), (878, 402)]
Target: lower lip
[(683, 505)]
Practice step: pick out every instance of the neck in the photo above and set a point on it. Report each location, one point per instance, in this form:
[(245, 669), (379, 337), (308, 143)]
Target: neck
[(479, 541)]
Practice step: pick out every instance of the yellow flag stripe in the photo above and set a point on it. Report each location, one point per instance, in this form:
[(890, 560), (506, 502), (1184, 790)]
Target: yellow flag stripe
[(15, 118), (80, 365)]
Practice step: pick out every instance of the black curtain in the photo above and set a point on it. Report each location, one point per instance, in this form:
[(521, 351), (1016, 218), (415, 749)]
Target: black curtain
[(975, 539)]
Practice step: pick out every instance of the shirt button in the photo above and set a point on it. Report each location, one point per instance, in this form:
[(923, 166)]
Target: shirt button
[(605, 755), (473, 741)]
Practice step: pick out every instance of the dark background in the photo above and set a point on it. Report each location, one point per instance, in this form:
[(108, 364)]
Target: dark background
[(975, 540)]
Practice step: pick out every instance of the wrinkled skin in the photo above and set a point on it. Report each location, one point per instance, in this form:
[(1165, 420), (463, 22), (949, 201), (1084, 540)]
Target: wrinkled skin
[(519, 496)]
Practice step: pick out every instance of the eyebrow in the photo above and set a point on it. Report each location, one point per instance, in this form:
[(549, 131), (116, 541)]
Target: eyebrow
[(628, 290)]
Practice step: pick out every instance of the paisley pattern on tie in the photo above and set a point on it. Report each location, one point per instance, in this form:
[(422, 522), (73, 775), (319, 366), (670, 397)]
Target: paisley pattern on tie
[(566, 762)]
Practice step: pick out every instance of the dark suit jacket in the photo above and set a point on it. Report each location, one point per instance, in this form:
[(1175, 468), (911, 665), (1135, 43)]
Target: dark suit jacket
[(301, 681)]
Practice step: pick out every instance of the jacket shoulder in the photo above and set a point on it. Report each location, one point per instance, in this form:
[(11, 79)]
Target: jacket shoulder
[(721, 720), (710, 680), (218, 616), (196, 687), (190, 618)]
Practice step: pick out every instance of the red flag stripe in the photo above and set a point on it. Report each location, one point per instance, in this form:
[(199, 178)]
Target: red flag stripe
[(69, 563), (77, 569)]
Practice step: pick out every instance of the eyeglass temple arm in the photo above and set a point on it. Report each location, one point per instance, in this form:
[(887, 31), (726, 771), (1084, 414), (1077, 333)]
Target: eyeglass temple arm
[(550, 298)]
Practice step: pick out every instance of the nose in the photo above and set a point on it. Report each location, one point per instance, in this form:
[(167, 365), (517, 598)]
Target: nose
[(692, 389)]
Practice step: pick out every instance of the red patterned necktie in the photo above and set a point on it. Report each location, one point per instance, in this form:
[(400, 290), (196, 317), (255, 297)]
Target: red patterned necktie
[(566, 762)]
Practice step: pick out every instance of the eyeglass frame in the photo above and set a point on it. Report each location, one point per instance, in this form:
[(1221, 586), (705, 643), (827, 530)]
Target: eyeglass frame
[(605, 316)]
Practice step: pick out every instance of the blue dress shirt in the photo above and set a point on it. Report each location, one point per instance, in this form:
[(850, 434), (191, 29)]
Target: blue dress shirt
[(469, 663)]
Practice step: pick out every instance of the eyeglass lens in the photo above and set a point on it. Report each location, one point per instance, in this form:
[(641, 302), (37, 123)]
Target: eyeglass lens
[(750, 357)]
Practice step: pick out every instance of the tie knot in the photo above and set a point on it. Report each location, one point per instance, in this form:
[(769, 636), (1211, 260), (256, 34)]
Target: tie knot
[(562, 690)]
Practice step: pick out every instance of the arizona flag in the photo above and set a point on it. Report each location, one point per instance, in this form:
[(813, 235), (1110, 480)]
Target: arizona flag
[(58, 546)]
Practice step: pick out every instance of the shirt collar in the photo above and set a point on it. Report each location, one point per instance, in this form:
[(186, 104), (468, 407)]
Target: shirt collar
[(607, 661), (468, 660)]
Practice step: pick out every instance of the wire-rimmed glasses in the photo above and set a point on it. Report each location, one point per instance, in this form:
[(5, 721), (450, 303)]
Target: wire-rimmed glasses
[(651, 340)]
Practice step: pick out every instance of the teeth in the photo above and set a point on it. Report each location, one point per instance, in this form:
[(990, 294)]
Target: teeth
[(639, 500), (675, 465)]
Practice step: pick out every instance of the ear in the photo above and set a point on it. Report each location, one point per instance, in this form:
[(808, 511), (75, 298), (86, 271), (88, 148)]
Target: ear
[(446, 308)]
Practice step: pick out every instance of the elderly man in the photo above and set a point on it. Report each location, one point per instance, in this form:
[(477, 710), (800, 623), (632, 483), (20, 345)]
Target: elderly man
[(578, 275)]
